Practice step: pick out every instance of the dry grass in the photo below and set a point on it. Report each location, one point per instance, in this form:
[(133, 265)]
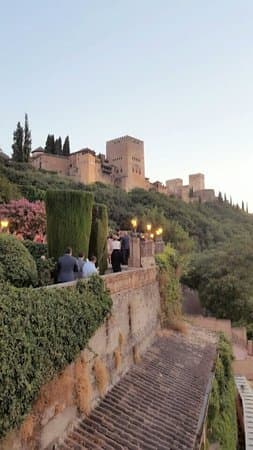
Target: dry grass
[(117, 358), (83, 387), (178, 325), (121, 340), (60, 389), (136, 355), (102, 376), (27, 428)]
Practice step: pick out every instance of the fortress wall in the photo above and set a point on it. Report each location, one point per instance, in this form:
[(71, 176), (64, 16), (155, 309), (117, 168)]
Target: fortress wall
[(114, 348)]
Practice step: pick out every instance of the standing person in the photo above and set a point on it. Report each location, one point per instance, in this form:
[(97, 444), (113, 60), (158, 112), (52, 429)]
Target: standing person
[(109, 247), (116, 254), (66, 267), (125, 248), (80, 264), (89, 267)]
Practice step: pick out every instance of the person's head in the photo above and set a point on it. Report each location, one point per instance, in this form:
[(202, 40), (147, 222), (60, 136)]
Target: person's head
[(68, 251), (80, 255), (93, 259)]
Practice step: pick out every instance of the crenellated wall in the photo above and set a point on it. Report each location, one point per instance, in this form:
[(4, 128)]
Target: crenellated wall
[(114, 348)]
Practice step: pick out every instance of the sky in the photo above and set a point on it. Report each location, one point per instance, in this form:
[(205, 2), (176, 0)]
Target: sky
[(177, 74)]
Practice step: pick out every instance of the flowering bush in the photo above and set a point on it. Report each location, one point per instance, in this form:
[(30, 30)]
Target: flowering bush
[(25, 218)]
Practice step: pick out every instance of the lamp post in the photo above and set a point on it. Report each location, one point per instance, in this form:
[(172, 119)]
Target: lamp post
[(134, 224), (4, 224)]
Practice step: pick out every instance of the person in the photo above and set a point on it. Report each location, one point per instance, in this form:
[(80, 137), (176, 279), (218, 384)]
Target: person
[(66, 267), (116, 254), (80, 264), (89, 267), (109, 247), (125, 248)]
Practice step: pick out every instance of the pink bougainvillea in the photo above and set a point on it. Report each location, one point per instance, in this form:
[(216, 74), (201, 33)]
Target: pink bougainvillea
[(26, 219)]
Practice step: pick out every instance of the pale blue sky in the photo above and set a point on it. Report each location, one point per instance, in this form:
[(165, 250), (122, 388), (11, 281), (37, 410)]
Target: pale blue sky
[(176, 73)]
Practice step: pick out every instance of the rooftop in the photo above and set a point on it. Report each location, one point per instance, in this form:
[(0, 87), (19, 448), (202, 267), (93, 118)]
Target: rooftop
[(159, 404)]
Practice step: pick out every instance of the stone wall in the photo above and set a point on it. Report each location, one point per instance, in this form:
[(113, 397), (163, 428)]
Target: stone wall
[(114, 348)]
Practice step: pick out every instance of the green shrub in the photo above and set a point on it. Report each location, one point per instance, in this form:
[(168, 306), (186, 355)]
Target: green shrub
[(69, 215), (8, 191), (169, 285), (41, 331), (221, 421), (98, 237), (45, 265), (17, 265)]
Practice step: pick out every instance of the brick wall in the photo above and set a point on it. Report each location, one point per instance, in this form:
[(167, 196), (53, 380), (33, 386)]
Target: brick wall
[(117, 345)]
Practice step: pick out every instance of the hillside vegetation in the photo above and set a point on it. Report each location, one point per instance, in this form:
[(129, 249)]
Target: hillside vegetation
[(217, 236)]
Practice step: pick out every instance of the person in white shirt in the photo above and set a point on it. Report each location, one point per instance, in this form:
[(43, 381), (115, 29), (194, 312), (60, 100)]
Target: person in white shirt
[(89, 267), (116, 254)]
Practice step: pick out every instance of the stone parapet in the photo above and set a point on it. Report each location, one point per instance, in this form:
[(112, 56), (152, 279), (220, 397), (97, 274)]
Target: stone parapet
[(114, 348)]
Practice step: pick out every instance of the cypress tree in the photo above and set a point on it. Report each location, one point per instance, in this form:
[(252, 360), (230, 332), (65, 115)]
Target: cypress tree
[(58, 146), (98, 237), (220, 199), (49, 146), (69, 217), (242, 205), (27, 147), (66, 147), (17, 146)]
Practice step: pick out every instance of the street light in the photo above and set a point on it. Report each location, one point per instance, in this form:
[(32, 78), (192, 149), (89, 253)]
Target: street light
[(149, 226), (152, 235), (4, 223), (134, 224)]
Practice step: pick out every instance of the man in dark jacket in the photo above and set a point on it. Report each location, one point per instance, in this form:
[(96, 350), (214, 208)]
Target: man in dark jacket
[(66, 267)]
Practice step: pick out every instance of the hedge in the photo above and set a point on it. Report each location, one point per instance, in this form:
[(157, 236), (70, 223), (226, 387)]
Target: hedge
[(16, 263), (69, 215), (41, 331), (98, 237), (222, 421)]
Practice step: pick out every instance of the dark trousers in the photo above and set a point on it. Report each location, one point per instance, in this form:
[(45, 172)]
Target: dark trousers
[(125, 256), (116, 260)]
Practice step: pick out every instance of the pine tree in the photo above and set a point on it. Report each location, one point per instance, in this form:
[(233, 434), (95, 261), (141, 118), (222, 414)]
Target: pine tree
[(66, 147), (58, 146), (27, 147), (49, 146), (17, 146)]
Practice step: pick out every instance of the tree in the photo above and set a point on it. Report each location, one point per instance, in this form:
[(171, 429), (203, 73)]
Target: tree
[(50, 147), (58, 146), (98, 237), (27, 218), (22, 142), (17, 146), (220, 198), (69, 217), (66, 147), (243, 205), (27, 146)]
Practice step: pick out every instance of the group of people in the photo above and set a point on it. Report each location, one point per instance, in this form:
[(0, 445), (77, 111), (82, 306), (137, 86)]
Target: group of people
[(118, 248), (70, 268)]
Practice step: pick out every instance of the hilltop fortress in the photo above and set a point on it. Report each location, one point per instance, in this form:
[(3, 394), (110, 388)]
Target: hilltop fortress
[(122, 166)]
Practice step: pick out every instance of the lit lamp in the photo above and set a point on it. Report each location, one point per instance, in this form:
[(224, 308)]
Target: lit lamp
[(4, 224), (149, 226), (152, 235), (134, 224)]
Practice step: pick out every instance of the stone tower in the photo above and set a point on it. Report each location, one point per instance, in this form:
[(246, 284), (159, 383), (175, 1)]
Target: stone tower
[(197, 182), (127, 155)]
